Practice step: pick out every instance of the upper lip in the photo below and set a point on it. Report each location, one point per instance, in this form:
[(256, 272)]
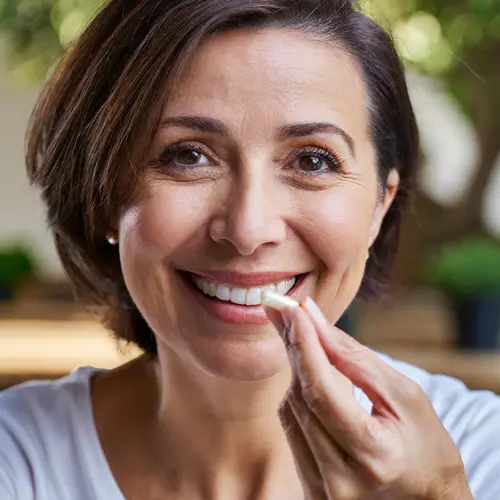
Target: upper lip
[(245, 280)]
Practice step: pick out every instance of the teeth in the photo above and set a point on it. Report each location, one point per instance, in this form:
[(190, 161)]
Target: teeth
[(242, 296), (253, 297), (238, 296), (223, 292), (281, 288)]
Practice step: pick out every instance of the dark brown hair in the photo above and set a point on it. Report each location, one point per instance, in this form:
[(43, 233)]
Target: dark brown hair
[(94, 123)]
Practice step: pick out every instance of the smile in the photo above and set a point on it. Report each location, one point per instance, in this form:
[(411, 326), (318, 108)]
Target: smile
[(241, 296)]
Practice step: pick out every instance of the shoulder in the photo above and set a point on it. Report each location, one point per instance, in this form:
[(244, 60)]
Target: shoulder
[(41, 405), (472, 418), (34, 416)]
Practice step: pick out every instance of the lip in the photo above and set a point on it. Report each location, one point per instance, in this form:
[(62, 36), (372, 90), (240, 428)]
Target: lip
[(245, 280), (235, 314)]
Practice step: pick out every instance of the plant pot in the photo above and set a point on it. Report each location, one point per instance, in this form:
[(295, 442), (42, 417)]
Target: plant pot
[(478, 323), (5, 292)]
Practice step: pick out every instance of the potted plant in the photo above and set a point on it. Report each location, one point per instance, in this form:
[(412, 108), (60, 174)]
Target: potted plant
[(16, 264), (468, 272)]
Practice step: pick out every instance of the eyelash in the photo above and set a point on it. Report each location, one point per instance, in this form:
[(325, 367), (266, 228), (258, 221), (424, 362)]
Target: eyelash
[(336, 162), (169, 153)]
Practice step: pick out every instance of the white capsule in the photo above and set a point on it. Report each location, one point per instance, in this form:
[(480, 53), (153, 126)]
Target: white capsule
[(277, 301)]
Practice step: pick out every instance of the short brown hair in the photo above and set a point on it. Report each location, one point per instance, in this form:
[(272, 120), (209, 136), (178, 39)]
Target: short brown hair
[(96, 118)]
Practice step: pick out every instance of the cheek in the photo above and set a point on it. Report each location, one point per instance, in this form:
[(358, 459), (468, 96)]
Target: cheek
[(337, 227), (160, 224), (154, 234)]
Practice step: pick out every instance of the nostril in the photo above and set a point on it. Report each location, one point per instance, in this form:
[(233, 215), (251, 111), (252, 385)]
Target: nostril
[(247, 229)]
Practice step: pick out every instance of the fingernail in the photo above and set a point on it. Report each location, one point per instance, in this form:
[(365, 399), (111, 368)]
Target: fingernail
[(314, 311)]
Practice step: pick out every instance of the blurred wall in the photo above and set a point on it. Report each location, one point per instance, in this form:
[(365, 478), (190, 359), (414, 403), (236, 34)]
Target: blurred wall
[(21, 211)]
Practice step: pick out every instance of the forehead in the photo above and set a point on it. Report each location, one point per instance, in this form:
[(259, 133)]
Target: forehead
[(272, 76)]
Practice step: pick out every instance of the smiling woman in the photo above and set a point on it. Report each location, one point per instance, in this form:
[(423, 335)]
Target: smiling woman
[(197, 157)]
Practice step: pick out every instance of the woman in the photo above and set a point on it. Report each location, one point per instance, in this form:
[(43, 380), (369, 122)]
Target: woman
[(192, 154)]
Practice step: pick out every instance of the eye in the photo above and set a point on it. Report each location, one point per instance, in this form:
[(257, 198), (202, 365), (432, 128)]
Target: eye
[(317, 161), (312, 163), (190, 157), (184, 156)]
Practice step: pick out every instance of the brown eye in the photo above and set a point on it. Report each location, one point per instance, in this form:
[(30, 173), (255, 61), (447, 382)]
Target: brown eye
[(316, 161), (189, 157), (311, 163), (184, 156)]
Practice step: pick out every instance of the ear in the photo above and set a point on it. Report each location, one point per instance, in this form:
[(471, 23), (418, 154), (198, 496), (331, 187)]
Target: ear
[(390, 191)]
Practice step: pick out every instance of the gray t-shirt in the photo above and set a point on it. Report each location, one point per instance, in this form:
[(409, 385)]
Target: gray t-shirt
[(49, 448)]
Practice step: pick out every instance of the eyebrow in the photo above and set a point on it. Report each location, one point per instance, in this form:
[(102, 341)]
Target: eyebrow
[(199, 123), (305, 129), (293, 131)]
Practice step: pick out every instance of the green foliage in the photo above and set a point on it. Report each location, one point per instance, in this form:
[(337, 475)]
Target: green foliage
[(36, 32), (16, 263), (469, 268), (434, 36), (432, 26)]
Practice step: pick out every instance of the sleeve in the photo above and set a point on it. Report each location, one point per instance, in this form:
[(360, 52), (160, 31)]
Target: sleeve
[(472, 419)]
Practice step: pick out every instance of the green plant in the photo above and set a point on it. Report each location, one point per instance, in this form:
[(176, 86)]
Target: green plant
[(16, 263), (468, 268)]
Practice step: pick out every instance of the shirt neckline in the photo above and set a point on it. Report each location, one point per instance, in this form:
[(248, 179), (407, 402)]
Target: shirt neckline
[(100, 463)]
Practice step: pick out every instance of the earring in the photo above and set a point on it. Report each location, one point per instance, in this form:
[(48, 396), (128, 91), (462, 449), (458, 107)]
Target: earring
[(112, 238), (368, 255)]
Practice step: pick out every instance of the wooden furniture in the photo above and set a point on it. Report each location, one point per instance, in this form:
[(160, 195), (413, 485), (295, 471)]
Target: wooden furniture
[(52, 340)]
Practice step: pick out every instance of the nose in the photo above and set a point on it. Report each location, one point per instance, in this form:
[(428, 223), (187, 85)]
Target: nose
[(251, 217)]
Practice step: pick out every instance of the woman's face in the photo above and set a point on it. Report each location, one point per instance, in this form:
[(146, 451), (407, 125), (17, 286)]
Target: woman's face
[(262, 174)]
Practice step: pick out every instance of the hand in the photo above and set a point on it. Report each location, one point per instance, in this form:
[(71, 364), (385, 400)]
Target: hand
[(399, 451)]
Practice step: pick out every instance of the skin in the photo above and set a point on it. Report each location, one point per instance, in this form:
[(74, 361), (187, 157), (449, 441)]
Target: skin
[(202, 421)]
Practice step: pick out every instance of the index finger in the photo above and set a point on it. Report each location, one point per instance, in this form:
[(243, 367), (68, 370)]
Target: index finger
[(325, 390), (384, 386)]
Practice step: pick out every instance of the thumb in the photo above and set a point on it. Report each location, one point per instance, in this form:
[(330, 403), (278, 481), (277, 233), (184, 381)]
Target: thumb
[(276, 318)]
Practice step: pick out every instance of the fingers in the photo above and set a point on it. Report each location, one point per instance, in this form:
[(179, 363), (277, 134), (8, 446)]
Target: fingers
[(275, 317), (384, 386), (326, 392), (320, 356), (323, 447), (305, 462), (339, 471)]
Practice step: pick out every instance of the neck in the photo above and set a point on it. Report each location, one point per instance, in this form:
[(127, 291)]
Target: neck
[(226, 434)]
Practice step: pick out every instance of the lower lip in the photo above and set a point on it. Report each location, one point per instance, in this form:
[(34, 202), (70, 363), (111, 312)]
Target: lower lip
[(235, 314)]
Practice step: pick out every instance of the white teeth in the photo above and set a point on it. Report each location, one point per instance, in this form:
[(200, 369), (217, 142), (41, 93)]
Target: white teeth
[(223, 292), (238, 296), (254, 297), (242, 296), (270, 288), (282, 288)]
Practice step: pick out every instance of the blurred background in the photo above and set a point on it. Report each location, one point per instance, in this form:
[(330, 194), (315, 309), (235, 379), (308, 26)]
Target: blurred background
[(444, 314)]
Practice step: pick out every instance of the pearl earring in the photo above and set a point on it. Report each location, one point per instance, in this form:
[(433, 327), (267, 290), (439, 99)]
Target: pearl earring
[(112, 239)]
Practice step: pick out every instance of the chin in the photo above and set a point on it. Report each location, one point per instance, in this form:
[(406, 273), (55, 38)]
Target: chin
[(246, 361)]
